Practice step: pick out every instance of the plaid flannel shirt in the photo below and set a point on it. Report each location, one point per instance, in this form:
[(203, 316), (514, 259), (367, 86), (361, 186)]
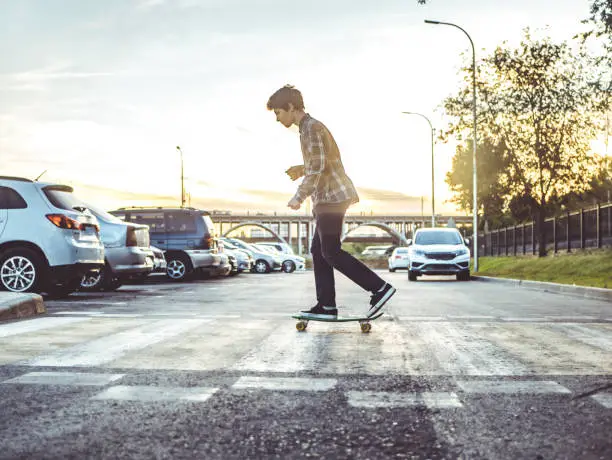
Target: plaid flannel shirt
[(324, 176)]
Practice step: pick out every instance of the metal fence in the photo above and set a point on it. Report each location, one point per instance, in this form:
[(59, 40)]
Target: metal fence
[(587, 228)]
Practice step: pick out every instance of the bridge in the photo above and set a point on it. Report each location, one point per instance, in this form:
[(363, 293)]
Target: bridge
[(286, 227)]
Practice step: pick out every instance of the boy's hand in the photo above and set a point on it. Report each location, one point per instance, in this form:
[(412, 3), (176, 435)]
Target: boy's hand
[(294, 204), (295, 172)]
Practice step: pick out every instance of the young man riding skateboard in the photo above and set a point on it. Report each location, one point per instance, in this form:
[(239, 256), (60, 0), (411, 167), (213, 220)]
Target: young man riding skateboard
[(332, 192)]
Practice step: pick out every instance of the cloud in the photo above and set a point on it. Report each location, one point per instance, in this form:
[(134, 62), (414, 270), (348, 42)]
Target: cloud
[(387, 195)]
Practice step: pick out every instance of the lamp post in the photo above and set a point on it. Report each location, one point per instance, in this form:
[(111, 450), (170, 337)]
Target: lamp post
[(433, 201), (182, 179), (475, 198)]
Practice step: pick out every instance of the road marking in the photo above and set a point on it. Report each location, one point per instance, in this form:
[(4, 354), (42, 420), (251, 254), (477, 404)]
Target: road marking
[(469, 317), (588, 335), (65, 378), (373, 399), (465, 349), (285, 350), (32, 325), (605, 399), (421, 318), (114, 346), (285, 383), (79, 313), (530, 319), (152, 394), (512, 387), (571, 318)]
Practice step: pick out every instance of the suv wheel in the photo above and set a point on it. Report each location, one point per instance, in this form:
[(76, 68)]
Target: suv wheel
[(261, 266), (20, 270), (178, 267), (463, 276), (412, 276), (288, 266)]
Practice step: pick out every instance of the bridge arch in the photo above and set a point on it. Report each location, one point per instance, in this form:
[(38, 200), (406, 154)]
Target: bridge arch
[(255, 224), (395, 236)]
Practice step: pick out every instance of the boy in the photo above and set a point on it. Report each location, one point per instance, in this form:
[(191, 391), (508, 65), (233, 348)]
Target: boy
[(332, 193)]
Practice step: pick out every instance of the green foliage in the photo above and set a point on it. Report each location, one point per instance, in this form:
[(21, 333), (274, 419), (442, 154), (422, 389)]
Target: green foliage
[(583, 268)]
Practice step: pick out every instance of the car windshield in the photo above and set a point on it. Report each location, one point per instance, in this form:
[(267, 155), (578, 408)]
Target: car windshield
[(426, 238)]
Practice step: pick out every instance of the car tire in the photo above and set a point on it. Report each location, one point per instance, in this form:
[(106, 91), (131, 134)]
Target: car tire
[(463, 276), (96, 281), (392, 270), (288, 266), (261, 266), (412, 276), (178, 267), (27, 260)]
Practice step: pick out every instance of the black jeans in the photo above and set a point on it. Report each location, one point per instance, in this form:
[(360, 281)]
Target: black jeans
[(327, 254)]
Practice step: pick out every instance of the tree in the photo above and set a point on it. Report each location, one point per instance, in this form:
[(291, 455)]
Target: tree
[(492, 161), (538, 102)]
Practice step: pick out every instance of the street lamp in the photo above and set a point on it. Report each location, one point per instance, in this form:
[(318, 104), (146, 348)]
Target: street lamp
[(475, 198), (433, 201), (182, 179)]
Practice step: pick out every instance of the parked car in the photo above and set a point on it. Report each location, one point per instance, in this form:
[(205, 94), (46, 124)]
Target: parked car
[(439, 251), (280, 247), (48, 239), (398, 259), (159, 260), (186, 235), (375, 251), (264, 261), (244, 259), (127, 253), (290, 262)]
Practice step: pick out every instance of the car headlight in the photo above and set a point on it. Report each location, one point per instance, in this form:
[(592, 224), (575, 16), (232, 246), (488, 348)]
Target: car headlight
[(417, 252), (462, 252)]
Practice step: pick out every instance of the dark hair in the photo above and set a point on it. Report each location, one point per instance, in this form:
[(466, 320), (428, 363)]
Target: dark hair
[(281, 99)]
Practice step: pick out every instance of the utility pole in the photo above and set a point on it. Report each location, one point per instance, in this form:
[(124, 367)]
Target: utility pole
[(182, 178)]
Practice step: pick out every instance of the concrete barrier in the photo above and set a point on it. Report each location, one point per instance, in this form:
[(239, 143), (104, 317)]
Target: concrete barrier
[(569, 289), (20, 305)]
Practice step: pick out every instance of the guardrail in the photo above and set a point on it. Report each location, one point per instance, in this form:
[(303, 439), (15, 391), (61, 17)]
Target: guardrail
[(587, 228)]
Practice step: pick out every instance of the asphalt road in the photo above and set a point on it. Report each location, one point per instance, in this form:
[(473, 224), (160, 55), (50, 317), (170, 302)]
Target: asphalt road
[(216, 369)]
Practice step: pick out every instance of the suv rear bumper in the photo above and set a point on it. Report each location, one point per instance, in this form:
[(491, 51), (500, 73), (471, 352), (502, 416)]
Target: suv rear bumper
[(130, 260)]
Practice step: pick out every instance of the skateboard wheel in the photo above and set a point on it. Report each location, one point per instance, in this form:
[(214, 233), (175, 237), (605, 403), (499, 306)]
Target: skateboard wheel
[(301, 325), (366, 327)]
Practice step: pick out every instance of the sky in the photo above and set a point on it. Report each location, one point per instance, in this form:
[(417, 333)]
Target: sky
[(100, 93)]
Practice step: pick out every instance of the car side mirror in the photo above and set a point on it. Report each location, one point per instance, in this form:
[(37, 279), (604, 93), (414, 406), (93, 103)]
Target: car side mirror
[(409, 242), (467, 242)]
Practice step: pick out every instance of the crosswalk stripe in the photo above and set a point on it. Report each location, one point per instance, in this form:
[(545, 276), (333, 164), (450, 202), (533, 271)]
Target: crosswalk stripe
[(605, 399), (152, 394), (589, 335), (38, 324), (285, 383), (111, 347), (512, 387), (65, 378), (432, 400)]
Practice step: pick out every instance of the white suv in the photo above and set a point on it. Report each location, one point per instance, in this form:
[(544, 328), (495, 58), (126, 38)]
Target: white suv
[(438, 251), (48, 240)]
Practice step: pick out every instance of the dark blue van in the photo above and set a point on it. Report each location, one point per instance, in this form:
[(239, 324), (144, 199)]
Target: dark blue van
[(186, 235)]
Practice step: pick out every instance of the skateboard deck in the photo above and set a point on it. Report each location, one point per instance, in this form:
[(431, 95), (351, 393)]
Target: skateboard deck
[(364, 321)]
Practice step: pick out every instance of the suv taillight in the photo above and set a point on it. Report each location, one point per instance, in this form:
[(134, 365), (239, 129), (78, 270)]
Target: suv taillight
[(130, 237), (63, 221)]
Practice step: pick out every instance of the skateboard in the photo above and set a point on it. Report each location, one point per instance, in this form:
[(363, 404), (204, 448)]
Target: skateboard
[(364, 321)]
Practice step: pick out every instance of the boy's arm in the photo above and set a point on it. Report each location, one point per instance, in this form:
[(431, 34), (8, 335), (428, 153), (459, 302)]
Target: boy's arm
[(314, 164)]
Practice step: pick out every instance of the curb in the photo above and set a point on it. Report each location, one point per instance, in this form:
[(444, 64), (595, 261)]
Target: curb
[(14, 306), (578, 291)]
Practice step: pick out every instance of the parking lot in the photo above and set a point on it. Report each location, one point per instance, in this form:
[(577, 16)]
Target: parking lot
[(216, 369)]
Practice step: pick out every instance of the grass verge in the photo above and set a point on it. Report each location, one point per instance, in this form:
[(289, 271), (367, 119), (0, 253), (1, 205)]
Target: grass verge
[(584, 268)]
